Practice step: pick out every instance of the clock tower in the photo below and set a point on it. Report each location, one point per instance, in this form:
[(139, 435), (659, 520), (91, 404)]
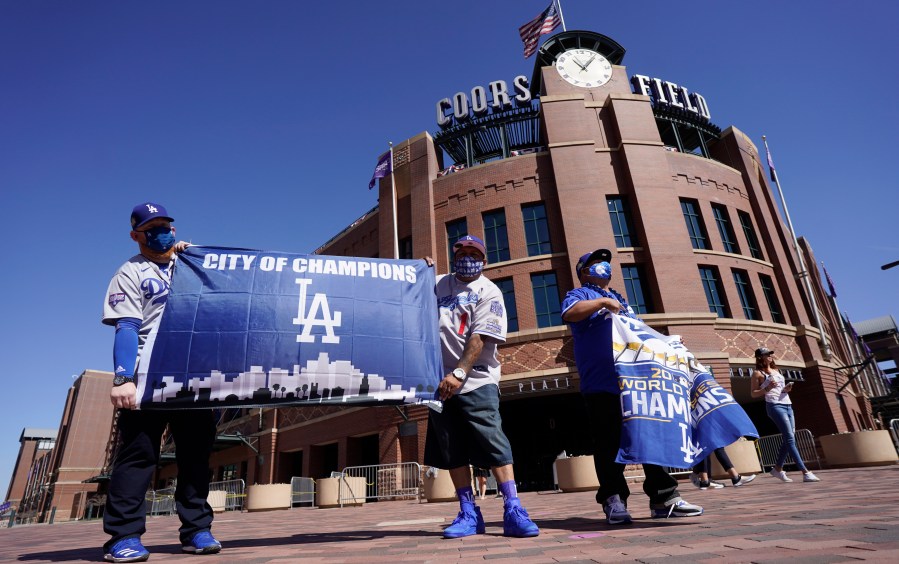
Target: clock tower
[(605, 145)]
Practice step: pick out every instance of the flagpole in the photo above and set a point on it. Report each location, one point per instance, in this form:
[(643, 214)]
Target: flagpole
[(803, 273), (561, 16), (853, 352), (396, 242)]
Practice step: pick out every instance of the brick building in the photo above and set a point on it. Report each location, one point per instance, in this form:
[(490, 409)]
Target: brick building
[(34, 446), (59, 482), (546, 170)]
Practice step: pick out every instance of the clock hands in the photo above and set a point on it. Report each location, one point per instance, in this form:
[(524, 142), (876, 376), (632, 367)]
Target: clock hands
[(587, 64), (578, 63)]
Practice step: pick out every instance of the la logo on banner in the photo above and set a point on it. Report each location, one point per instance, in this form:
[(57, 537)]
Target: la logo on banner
[(311, 319)]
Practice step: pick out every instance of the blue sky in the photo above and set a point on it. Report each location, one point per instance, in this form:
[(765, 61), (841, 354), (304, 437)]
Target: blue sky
[(258, 125)]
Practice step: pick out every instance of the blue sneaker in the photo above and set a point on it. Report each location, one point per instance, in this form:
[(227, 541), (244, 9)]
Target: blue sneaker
[(516, 522), (467, 523), (616, 511), (202, 543), (127, 550)]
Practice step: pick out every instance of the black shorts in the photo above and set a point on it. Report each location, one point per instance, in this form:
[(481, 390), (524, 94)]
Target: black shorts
[(468, 431)]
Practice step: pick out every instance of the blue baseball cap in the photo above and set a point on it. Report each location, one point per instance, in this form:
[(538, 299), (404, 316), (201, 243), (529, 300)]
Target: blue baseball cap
[(142, 213), (470, 241), (601, 255)]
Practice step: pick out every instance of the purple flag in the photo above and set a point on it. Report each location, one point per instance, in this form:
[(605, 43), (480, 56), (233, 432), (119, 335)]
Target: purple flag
[(857, 337), (770, 162), (382, 169), (833, 291)]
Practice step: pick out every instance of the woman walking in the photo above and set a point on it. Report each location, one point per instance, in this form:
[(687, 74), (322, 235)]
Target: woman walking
[(767, 381)]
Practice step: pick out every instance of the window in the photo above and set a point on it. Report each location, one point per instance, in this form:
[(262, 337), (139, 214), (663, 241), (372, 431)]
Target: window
[(508, 289), (229, 472), (771, 297), (751, 239), (622, 227), (496, 237), (547, 305), (747, 297), (536, 229), (455, 230), (714, 294), (406, 248), (694, 224), (722, 218), (633, 287)]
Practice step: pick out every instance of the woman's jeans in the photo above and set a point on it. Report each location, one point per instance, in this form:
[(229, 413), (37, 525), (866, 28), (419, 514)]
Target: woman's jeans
[(782, 415)]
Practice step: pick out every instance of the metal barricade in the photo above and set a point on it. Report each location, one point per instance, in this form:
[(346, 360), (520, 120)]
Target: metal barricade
[(769, 445), (235, 493), (382, 481), (161, 502), (894, 431), (302, 490)]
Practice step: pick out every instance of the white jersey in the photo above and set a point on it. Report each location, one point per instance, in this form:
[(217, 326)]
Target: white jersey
[(466, 308), (139, 289)]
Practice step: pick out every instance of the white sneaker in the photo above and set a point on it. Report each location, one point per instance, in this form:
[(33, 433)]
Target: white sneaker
[(780, 475), (715, 485), (809, 477), (743, 480)]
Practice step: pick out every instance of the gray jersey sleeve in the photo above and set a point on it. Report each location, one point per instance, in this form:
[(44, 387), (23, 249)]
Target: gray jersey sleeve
[(123, 296), (490, 313)]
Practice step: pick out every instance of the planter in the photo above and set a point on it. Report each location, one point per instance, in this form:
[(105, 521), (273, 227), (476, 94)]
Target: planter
[(328, 490), (439, 488), (216, 500), (743, 456), (864, 448), (576, 474), (265, 497)]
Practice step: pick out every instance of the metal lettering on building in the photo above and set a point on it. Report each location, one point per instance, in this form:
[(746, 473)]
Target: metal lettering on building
[(669, 95), (495, 98), (534, 386)]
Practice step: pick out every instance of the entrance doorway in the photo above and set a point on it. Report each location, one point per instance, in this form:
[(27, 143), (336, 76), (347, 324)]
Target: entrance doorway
[(540, 427)]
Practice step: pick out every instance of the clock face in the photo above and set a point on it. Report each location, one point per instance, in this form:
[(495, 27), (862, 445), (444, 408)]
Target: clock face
[(583, 67)]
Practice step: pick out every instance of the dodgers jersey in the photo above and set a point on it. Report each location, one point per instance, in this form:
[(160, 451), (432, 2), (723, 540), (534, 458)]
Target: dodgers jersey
[(466, 308), (593, 344), (139, 289)]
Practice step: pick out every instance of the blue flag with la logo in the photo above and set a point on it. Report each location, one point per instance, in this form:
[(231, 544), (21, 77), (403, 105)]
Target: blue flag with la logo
[(673, 411), (248, 328)]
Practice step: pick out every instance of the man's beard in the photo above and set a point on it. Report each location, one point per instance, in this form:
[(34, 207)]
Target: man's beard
[(161, 257)]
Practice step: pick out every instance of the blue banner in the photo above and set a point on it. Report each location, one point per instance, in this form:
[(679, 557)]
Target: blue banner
[(248, 328), (674, 413)]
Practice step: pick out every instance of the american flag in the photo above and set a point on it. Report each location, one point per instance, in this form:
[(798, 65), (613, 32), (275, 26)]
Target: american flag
[(530, 32)]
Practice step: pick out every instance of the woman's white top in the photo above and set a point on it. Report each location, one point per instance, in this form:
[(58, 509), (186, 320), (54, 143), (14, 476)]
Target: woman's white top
[(776, 394)]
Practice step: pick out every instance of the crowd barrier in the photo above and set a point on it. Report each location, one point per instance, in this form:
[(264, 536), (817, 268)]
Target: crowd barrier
[(382, 481)]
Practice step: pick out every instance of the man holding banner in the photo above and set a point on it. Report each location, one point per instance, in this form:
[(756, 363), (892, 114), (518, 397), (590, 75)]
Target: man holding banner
[(134, 304), (585, 310), (468, 431)]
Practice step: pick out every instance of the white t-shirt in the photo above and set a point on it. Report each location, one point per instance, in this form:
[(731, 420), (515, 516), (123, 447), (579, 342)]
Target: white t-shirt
[(139, 289), (776, 394), (466, 308)]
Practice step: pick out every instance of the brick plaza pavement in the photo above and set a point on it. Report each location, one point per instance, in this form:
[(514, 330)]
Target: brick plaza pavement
[(851, 515)]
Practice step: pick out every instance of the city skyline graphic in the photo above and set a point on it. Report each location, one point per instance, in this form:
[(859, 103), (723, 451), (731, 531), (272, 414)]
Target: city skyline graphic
[(321, 380)]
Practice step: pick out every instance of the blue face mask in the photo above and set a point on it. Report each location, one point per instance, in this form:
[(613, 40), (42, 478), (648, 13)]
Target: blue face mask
[(468, 266), (601, 270), (160, 238)]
